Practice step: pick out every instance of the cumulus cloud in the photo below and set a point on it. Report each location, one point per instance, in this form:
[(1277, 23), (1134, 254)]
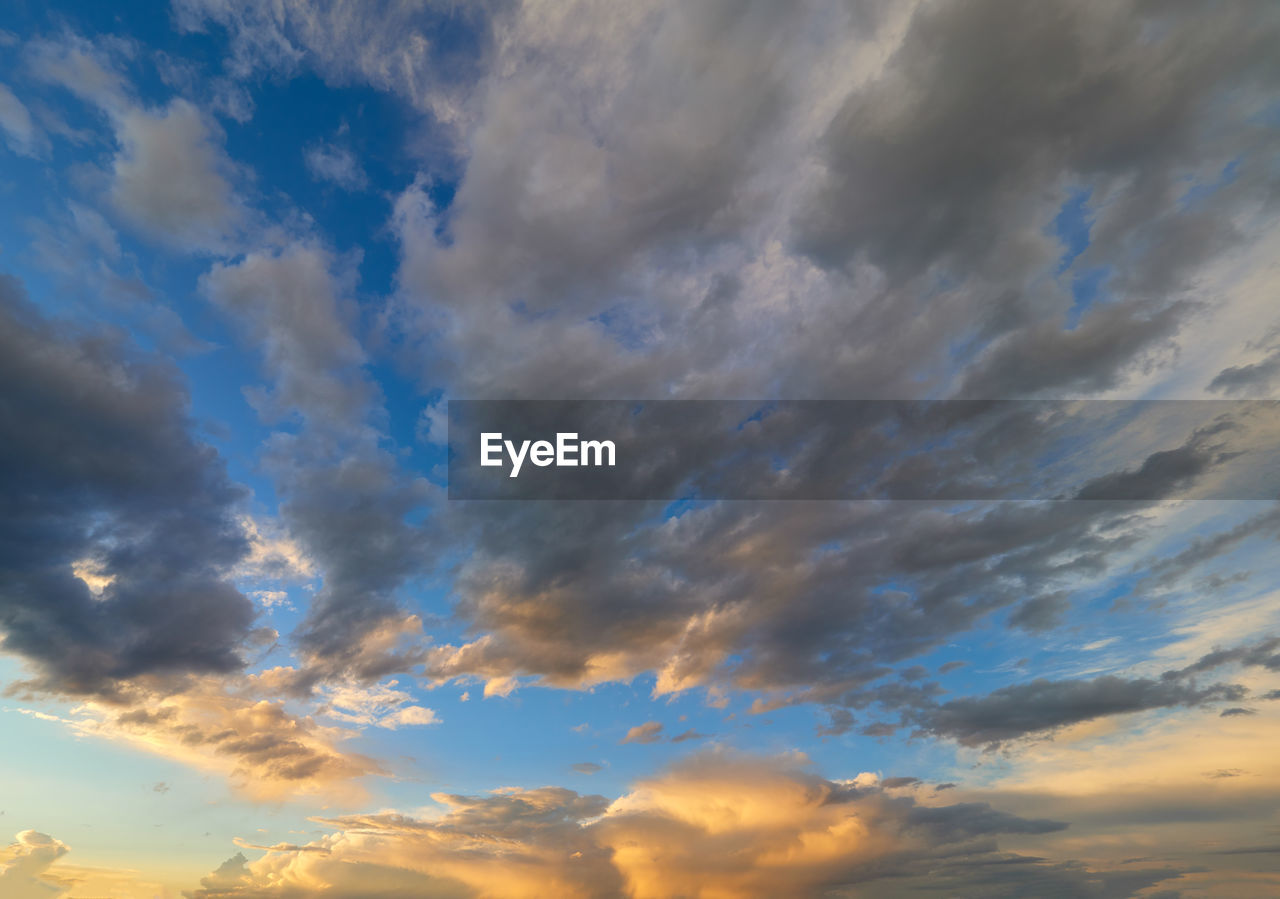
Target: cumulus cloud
[(669, 200), (23, 864), (716, 824), (906, 248), (102, 474), (171, 177), (394, 46)]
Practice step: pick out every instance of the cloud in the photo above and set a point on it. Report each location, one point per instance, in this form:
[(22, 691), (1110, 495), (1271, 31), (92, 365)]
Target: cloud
[(893, 783), (841, 722), (1040, 614), (23, 864), (344, 496), (1042, 705), (103, 474), (89, 69), (22, 135), (727, 595), (171, 177), (289, 302), (716, 824), (273, 554), (934, 166), (337, 165), (266, 752), (649, 732), (380, 705), (1236, 712), (586, 767)]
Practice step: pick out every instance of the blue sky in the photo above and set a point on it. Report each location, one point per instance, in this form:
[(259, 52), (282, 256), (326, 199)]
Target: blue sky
[(250, 252)]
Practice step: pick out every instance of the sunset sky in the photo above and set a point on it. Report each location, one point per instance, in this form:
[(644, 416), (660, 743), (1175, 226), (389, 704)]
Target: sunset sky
[(249, 645)]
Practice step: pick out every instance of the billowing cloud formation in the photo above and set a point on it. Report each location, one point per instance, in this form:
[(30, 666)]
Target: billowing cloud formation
[(24, 862), (673, 234), (716, 825), (896, 200), (733, 592), (881, 200), (119, 529), (32, 867)]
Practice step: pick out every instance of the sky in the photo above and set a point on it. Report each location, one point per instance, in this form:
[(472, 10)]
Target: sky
[(249, 646)]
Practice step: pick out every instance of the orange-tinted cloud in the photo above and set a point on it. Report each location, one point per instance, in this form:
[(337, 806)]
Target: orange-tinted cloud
[(266, 751), (717, 826)]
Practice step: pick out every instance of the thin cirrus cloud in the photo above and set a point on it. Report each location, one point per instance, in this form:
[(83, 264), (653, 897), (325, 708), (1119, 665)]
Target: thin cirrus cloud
[(265, 255)]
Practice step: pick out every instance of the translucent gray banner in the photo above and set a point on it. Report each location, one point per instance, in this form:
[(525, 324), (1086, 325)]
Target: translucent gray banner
[(864, 449)]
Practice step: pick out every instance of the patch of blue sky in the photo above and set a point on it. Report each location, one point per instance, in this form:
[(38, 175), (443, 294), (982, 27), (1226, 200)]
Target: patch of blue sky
[(1087, 288), (624, 327), (1198, 191), (1073, 224)]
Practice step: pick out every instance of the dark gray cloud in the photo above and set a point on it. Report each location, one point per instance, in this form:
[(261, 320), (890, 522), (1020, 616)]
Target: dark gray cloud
[(1263, 654), (687, 735), (344, 494), (350, 512), (1041, 614), (890, 783), (1236, 712), (840, 721), (1168, 571), (102, 477), (938, 179), (1256, 378), (1041, 705), (985, 98), (948, 164), (734, 593)]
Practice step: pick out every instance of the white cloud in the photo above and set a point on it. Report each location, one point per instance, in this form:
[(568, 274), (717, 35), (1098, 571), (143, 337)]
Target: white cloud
[(22, 135), (24, 863), (337, 165), (170, 177), (379, 705)]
